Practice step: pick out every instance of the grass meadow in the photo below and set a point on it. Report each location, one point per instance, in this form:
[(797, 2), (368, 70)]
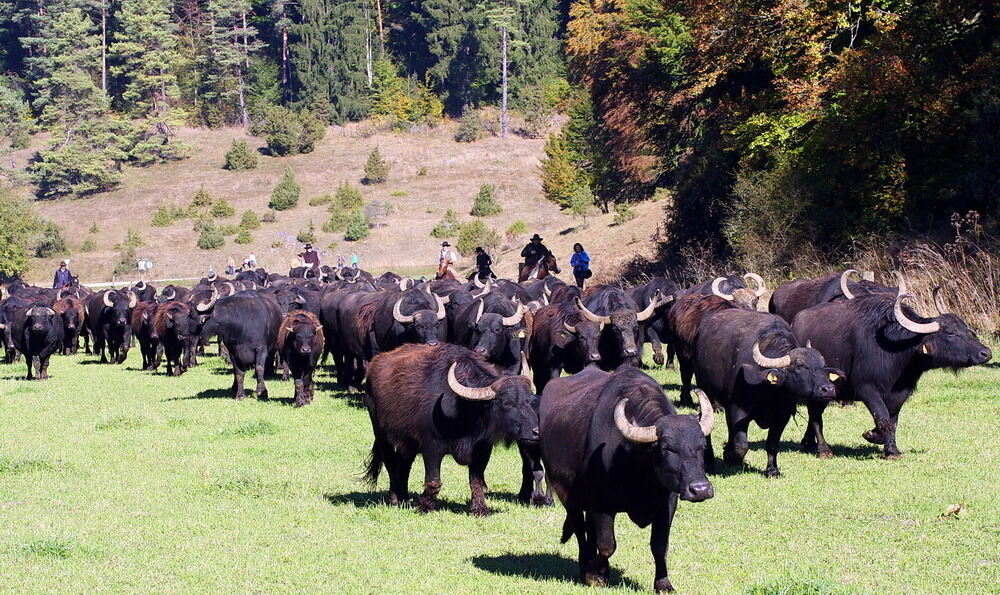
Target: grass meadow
[(113, 479)]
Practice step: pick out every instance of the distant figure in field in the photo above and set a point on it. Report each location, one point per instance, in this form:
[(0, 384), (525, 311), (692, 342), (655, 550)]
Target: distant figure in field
[(63, 276), (310, 257), (483, 266), (580, 261)]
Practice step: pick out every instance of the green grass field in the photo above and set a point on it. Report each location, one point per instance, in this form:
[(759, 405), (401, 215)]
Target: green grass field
[(112, 479)]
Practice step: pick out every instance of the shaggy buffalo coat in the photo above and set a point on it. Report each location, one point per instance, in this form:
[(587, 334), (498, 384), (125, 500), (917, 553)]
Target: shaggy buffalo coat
[(499, 344), (683, 320), (619, 343), (414, 411), (554, 348), (795, 296)]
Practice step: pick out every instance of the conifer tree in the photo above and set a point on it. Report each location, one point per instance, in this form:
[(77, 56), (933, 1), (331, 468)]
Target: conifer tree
[(230, 43), (146, 57)]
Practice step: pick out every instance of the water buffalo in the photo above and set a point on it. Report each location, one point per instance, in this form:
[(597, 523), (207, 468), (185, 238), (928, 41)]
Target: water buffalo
[(300, 343), (38, 333), (247, 324), (619, 342), (144, 331), (885, 348), (731, 288), (795, 296), (613, 443), (109, 324), (347, 332), (654, 329), (442, 400), (72, 314), (174, 323), (561, 339), (493, 327), (413, 316)]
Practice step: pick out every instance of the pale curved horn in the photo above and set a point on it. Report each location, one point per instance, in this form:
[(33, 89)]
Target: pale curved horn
[(921, 328), (569, 328), (441, 301), (938, 302), (232, 288), (525, 368), (900, 282), (761, 286), (479, 284), (632, 432), (403, 283), (716, 289), (205, 307), (141, 286), (397, 313), (479, 311), (467, 392), (843, 284), (590, 315), (486, 289), (133, 299), (513, 318), (706, 415), (173, 294), (809, 344), (107, 299), (769, 362), (212, 276), (546, 291), (648, 310)]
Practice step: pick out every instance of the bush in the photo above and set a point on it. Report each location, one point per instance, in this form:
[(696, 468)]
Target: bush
[(471, 128), (323, 199), (623, 214), (422, 171), (357, 227), (286, 193), (133, 239), (287, 132), (581, 204), (269, 217), (240, 157), (126, 263), (201, 198), (210, 237), (94, 228), (348, 198), (221, 209), (376, 169), (485, 203), (398, 193), (243, 237), (307, 235), (88, 245), (517, 228), (474, 234), (448, 227), (337, 222), (249, 221), (49, 241), (229, 230), (162, 217)]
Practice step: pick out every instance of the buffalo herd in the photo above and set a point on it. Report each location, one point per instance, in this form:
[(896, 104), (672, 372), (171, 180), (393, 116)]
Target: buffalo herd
[(452, 368)]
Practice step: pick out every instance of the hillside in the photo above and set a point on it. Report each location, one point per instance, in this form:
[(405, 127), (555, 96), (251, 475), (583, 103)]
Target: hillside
[(453, 176)]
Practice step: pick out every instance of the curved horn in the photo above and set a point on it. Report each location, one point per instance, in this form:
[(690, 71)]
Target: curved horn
[(212, 276), (569, 328), (205, 307), (107, 299), (467, 392), (653, 305), (232, 288), (440, 303), (706, 415), (546, 291), (900, 282), (938, 302), (141, 286), (173, 294), (403, 285), (590, 315), (398, 314), (525, 368), (632, 433), (479, 311), (809, 344), (486, 289), (843, 283), (769, 362), (921, 328), (479, 284), (337, 275), (716, 289), (761, 287), (515, 317), (133, 299)]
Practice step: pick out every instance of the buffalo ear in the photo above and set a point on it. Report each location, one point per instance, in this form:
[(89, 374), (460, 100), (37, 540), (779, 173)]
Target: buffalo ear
[(563, 338), (754, 375), (835, 374)]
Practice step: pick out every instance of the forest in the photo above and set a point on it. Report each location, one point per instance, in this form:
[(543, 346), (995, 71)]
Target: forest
[(771, 131)]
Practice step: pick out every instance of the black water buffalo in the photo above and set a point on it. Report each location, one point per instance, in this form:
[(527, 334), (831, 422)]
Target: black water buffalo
[(885, 348), (109, 324), (8, 310), (654, 329), (300, 343), (38, 333), (795, 296), (442, 400), (613, 443), (347, 332), (561, 340), (72, 314), (413, 316), (172, 293), (751, 363), (619, 342), (144, 291), (247, 324), (730, 288), (173, 324), (144, 331), (493, 327)]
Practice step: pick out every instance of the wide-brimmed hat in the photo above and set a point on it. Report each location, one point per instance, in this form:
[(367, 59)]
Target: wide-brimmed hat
[(536, 237), (62, 263), (445, 244), (308, 246)]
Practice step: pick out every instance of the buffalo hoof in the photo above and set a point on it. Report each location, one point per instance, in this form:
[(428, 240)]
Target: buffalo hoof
[(479, 509), (425, 505), (772, 472), (731, 458), (262, 395), (541, 500), (824, 454), (873, 436), (596, 579), (892, 456), (663, 586), (658, 359)]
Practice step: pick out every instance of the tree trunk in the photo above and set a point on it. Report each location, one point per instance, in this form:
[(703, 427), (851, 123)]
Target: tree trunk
[(368, 47), (284, 61), (504, 114), (104, 47), (381, 30)]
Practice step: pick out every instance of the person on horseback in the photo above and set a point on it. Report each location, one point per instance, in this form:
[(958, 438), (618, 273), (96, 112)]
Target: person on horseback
[(446, 261), (483, 264), (532, 254)]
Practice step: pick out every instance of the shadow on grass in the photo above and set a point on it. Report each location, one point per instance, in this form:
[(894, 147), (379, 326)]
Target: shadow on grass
[(211, 393), (993, 364), (381, 498), (337, 391), (855, 451), (543, 567)]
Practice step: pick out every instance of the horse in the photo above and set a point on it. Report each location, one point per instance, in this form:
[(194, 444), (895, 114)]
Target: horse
[(445, 272), (548, 265)]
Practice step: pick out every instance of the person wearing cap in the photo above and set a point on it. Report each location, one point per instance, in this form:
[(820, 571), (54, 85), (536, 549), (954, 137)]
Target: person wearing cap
[(447, 257), (483, 264), (534, 252), (63, 276), (310, 257)]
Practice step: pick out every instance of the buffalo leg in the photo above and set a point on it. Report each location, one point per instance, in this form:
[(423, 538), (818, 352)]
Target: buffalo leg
[(398, 465), (238, 376), (602, 527), (654, 339), (432, 481), (157, 356), (532, 476), (670, 355), (43, 366), (31, 363), (307, 385), (737, 446), (884, 432), (260, 367), (659, 543), (813, 440), (477, 482), (687, 371), (576, 525), (773, 442), (300, 393)]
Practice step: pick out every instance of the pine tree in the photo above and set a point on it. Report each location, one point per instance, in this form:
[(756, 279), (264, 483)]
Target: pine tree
[(357, 227), (376, 168), (146, 57), (230, 43), (286, 193)]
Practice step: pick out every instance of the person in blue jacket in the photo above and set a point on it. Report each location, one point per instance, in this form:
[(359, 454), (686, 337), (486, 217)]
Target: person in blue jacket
[(580, 261), (63, 277)]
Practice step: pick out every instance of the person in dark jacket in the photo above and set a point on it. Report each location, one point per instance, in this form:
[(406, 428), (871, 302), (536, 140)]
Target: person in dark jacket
[(310, 257), (483, 264), (580, 261), (63, 276), (533, 252)]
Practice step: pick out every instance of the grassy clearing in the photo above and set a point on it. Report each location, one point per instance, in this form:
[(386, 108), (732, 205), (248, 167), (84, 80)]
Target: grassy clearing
[(121, 480)]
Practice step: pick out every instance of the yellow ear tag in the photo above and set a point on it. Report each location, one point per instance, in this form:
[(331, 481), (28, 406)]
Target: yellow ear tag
[(924, 349), (520, 334), (772, 378), (833, 377)]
